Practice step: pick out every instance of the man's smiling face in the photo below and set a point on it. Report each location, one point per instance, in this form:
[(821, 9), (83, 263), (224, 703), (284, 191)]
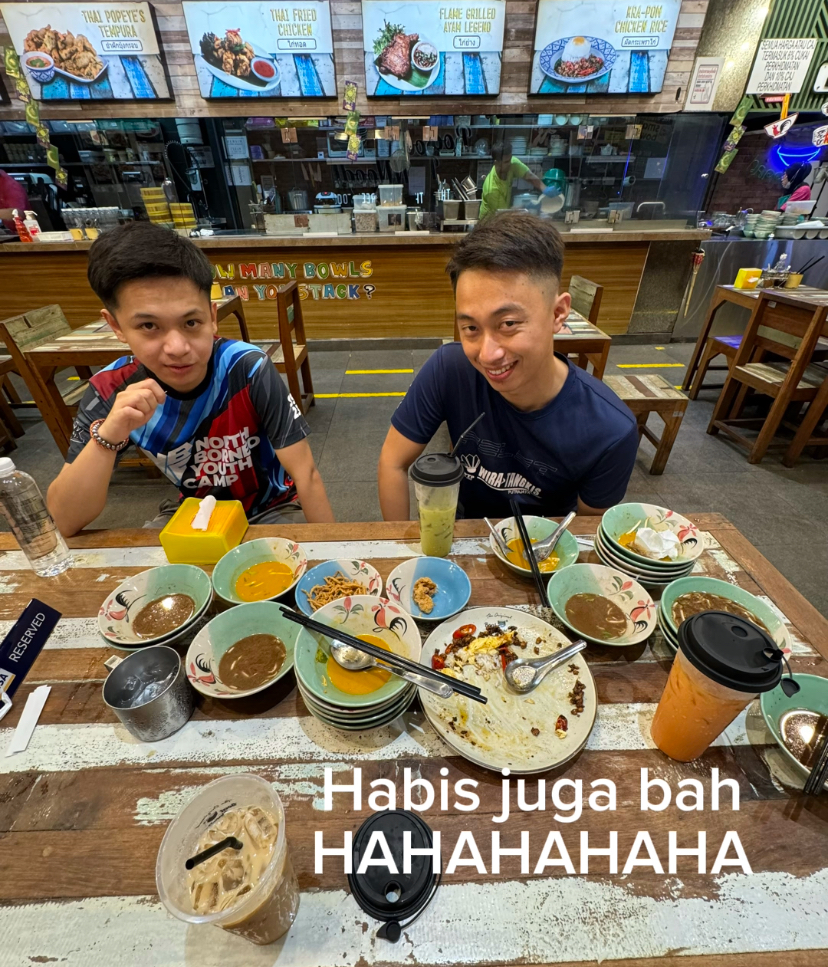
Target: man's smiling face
[(508, 322)]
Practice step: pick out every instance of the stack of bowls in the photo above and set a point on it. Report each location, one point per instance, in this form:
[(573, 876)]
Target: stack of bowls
[(766, 223), (344, 710), (519, 146), (624, 519), (750, 224), (117, 614), (763, 612)]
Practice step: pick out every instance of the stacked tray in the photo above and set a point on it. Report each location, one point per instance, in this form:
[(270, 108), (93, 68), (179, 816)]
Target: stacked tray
[(612, 543)]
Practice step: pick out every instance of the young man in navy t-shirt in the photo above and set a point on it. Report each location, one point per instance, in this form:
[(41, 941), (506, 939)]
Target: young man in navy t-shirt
[(554, 436)]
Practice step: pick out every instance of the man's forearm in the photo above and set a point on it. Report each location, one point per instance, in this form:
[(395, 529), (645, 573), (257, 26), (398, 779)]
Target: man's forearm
[(78, 494), (393, 493), (314, 499)]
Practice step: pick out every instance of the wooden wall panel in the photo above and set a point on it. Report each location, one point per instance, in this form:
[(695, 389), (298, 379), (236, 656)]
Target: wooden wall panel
[(412, 295), (347, 34)]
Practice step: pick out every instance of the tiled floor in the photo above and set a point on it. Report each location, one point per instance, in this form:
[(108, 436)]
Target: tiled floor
[(783, 512)]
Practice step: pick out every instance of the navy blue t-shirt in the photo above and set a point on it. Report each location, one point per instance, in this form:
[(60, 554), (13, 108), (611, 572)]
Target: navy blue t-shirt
[(582, 443)]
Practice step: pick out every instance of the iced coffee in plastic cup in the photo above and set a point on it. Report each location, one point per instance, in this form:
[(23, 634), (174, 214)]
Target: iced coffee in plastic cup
[(720, 667), (436, 479), (251, 891)]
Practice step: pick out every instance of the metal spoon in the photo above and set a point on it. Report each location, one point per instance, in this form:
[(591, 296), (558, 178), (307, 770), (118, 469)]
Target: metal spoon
[(354, 660), (540, 666), (542, 549), (504, 550)]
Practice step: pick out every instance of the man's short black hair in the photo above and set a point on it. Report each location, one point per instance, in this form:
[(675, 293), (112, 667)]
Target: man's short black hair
[(503, 149), (141, 250), (511, 242)]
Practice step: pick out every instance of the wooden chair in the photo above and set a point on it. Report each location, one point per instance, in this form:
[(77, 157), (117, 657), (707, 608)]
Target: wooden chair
[(9, 396), (652, 394), (23, 333), (785, 328), (586, 297), (289, 356)]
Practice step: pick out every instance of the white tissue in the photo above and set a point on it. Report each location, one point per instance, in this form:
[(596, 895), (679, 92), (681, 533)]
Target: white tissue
[(28, 720), (657, 544), (201, 521)]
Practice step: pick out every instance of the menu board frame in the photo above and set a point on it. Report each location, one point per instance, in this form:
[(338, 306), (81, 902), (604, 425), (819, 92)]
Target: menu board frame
[(121, 37), (463, 42), (635, 65), (290, 40)]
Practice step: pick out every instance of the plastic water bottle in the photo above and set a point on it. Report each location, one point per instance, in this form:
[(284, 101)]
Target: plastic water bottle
[(23, 506)]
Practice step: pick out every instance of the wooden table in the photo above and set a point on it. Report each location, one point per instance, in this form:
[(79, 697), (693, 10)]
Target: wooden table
[(578, 337), (83, 810), (746, 298), (94, 344)]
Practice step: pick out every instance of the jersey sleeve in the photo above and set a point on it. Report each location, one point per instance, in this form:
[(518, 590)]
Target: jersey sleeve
[(422, 410), (606, 482), (519, 169), (280, 417), (91, 408)]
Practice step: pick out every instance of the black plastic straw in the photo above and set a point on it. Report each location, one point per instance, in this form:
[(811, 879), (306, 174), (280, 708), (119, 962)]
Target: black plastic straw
[(465, 433), (230, 843), (527, 544)]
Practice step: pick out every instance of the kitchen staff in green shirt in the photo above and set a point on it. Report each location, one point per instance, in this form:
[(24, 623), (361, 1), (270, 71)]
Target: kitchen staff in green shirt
[(497, 188)]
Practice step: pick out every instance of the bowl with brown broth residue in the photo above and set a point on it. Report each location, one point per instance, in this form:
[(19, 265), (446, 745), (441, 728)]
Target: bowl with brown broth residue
[(156, 606), (242, 651), (602, 605)]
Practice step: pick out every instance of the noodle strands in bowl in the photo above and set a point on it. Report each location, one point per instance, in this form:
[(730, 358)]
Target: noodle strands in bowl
[(333, 580)]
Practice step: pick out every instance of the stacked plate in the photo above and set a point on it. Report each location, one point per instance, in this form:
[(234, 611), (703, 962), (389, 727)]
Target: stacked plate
[(346, 703), (116, 618), (750, 224), (518, 146), (613, 540), (670, 636), (766, 223)]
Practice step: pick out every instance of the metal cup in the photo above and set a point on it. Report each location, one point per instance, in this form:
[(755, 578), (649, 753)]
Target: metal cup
[(165, 711)]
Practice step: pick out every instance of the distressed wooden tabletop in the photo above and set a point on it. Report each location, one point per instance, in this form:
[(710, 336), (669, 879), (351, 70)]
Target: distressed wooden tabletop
[(83, 810)]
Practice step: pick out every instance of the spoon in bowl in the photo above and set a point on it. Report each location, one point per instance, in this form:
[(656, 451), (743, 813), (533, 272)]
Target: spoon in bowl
[(355, 661), (524, 675)]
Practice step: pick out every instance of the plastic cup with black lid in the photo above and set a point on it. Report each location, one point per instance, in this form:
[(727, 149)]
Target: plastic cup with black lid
[(437, 479), (722, 664)]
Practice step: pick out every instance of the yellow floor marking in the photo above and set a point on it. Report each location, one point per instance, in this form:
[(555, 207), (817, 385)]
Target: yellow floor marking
[(373, 372), (650, 365), (75, 378), (351, 396), (660, 348)]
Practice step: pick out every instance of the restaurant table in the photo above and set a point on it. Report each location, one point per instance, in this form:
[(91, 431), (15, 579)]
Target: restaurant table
[(578, 337), (94, 344), (747, 299), (84, 808)]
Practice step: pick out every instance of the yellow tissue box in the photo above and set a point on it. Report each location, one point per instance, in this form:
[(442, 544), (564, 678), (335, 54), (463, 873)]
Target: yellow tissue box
[(747, 278), (183, 545)]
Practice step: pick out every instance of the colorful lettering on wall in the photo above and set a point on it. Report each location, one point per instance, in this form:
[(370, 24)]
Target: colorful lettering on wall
[(246, 49), (447, 48), (320, 280), (602, 46), (90, 51)]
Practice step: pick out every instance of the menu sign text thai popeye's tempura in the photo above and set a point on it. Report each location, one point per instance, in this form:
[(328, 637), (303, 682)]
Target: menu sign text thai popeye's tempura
[(444, 48), (248, 49), (84, 51), (602, 46)]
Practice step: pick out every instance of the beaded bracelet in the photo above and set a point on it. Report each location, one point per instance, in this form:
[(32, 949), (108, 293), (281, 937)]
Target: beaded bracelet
[(115, 447)]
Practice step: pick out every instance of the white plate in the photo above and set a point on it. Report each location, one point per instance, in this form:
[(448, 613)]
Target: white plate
[(501, 730), (403, 85), (240, 82)]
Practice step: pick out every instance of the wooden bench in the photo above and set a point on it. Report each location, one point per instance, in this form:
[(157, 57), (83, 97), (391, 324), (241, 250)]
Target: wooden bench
[(652, 394)]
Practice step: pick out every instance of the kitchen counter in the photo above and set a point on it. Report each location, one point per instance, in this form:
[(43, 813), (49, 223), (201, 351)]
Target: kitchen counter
[(352, 286)]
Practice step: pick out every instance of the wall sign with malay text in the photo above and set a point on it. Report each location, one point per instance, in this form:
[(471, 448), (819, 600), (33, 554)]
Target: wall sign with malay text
[(432, 48), (602, 46), (254, 49), (88, 51), (781, 66)]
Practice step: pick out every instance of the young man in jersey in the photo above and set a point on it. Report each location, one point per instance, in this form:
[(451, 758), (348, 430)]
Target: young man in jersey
[(553, 436), (212, 413)]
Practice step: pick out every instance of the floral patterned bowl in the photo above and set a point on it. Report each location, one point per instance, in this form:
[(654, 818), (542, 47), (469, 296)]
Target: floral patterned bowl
[(624, 518), (623, 591), (119, 610), (210, 644), (453, 587), (359, 615), (360, 572), (234, 563), (537, 528)]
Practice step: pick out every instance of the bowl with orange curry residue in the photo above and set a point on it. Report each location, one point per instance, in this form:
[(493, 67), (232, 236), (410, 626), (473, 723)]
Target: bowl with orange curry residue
[(260, 570), (375, 620)]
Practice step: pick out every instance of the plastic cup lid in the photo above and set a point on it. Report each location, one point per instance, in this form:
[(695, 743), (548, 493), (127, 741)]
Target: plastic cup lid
[(382, 894), (731, 651), (437, 470)]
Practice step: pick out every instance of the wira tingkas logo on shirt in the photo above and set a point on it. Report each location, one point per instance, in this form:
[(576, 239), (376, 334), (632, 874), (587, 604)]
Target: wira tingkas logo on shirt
[(511, 482)]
